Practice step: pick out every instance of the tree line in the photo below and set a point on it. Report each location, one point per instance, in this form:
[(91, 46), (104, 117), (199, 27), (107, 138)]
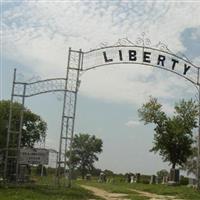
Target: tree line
[(173, 135)]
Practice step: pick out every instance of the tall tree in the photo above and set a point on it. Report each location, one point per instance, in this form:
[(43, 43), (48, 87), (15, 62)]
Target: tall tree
[(191, 165), (34, 128), (173, 137), (84, 152)]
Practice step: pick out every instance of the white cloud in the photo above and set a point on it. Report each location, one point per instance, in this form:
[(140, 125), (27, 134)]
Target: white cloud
[(196, 34), (167, 108), (132, 123), (133, 85), (38, 34), (197, 61)]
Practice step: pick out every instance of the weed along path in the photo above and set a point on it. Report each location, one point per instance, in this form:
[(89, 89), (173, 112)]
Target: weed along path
[(106, 195), (153, 196)]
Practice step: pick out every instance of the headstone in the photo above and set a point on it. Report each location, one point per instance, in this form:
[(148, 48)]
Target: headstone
[(132, 178), (165, 179), (128, 178), (174, 175), (102, 177), (153, 179), (137, 179)]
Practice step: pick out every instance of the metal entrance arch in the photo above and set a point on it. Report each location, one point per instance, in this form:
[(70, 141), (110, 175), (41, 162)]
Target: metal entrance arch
[(124, 52)]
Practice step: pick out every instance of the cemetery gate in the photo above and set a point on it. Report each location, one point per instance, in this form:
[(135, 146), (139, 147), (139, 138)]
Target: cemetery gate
[(123, 52)]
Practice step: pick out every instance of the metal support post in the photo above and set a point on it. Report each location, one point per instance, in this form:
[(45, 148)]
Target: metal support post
[(74, 115), (62, 121), (20, 133), (9, 129), (68, 115), (42, 167), (198, 155), (65, 157)]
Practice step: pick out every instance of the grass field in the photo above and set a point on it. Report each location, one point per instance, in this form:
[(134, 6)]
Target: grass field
[(42, 191), (182, 192)]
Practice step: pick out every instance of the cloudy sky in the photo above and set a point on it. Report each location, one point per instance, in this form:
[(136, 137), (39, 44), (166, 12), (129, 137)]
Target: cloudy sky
[(36, 35)]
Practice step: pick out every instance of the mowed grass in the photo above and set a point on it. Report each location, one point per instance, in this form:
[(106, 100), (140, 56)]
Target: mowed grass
[(182, 192), (44, 192)]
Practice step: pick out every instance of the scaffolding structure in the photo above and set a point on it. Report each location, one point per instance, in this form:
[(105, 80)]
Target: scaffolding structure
[(21, 90)]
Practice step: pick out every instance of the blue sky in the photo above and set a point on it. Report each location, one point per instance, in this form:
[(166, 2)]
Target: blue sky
[(36, 36)]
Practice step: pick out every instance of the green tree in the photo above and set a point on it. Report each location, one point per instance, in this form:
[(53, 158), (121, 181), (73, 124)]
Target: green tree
[(84, 152), (108, 172), (191, 165), (34, 128), (162, 173), (173, 137)]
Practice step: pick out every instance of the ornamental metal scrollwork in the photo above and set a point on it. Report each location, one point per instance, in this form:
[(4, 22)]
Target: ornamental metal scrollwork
[(124, 42), (163, 47), (143, 41)]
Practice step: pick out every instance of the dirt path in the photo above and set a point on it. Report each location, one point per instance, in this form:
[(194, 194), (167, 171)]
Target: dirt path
[(118, 196), (106, 195), (153, 196)]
